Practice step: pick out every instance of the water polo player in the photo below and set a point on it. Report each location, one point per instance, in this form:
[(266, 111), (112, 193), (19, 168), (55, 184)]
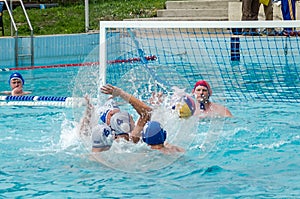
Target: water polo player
[(112, 124), (142, 109), (204, 107), (101, 134), (16, 82), (115, 122), (120, 122), (155, 136)]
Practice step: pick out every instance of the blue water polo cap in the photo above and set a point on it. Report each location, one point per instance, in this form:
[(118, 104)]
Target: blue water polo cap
[(153, 133), (16, 75), (103, 115)]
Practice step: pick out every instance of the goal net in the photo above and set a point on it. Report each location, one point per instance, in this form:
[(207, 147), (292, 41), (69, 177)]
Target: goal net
[(239, 65)]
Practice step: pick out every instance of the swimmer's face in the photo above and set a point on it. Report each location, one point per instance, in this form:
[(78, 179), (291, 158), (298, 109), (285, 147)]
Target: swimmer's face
[(15, 82), (122, 136), (201, 93)]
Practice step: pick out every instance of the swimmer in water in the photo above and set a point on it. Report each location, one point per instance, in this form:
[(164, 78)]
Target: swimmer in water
[(16, 82), (114, 123), (155, 136), (204, 107)]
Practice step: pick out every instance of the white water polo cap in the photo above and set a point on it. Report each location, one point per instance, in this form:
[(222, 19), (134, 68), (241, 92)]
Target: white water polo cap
[(102, 136), (106, 108), (112, 104), (121, 123)]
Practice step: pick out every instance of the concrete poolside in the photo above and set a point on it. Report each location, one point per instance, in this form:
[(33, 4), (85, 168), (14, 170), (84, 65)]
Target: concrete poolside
[(210, 10)]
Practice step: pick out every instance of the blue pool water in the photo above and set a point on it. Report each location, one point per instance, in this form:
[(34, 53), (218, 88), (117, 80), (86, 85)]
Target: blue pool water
[(253, 155)]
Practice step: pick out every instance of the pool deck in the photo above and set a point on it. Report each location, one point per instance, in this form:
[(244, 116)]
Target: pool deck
[(209, 10)]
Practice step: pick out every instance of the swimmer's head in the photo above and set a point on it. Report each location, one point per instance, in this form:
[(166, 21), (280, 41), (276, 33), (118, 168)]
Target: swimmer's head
[(185, 107), (203, 83), (105, 110), (16, 75), (102, 137), (121, 123), (153, 133)]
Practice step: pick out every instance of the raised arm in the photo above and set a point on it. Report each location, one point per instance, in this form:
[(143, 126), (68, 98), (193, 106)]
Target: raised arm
[(85, 123), (142, 109), (5, 92)]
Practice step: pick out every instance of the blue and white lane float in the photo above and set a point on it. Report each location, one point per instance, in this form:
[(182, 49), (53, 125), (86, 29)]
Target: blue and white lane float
[(41, 101)]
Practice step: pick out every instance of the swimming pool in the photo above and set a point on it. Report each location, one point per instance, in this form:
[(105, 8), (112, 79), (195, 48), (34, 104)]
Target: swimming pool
[(255, 155)]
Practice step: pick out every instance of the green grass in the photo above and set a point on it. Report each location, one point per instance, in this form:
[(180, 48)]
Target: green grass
[(71, 19)]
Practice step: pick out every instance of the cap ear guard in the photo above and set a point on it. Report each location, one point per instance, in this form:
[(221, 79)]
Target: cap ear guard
[(106, 108), (120, 123), (103, 115), (102, 136)]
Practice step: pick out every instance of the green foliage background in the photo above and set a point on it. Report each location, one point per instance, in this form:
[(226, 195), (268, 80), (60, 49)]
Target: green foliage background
[(68, 18)]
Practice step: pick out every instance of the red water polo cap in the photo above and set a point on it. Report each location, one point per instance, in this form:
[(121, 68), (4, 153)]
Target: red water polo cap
[(205, 84)]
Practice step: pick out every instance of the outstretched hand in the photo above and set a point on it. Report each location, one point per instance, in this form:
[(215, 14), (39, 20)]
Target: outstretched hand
[(111, 90)]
